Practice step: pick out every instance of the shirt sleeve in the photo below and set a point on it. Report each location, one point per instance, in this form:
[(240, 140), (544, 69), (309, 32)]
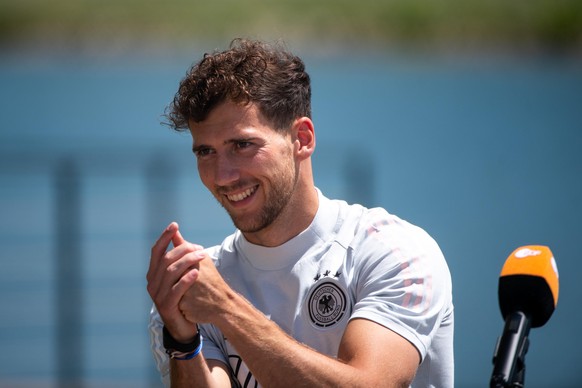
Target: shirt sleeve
[(403, 282), (161, 359)]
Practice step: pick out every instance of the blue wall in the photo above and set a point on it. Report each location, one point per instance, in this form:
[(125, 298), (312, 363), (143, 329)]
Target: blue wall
[(485, 154)]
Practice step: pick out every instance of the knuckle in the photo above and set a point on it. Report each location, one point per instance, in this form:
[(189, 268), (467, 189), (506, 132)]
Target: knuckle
[(172, 266), (189, 247)]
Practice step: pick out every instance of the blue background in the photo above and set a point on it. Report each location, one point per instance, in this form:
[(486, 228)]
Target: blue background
[(483, 153)]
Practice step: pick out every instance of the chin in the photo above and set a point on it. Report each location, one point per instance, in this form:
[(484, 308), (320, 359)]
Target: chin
[(247, 226)]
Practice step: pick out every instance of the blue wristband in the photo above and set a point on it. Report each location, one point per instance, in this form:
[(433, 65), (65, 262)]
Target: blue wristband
[(181, 351), (189, 356)]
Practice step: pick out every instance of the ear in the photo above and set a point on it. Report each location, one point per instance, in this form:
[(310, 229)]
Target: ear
[(304, 137)]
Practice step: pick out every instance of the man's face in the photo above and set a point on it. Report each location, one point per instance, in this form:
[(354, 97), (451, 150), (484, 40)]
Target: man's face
[(248, 166)]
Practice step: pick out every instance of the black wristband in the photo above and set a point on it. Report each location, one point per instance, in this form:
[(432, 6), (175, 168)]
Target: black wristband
[(171, 344)]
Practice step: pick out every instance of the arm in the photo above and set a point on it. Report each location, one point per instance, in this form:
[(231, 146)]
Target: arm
[(199, 372), (169, 276), (369, 354)]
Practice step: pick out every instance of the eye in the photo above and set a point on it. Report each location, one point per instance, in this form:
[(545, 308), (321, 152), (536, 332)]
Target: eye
[(242, 144), (202, 151)]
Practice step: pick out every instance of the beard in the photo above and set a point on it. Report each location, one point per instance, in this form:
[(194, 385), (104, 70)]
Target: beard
[(276, 201)]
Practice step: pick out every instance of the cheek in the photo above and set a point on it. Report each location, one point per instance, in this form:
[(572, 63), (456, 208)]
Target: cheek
[(204, 175)]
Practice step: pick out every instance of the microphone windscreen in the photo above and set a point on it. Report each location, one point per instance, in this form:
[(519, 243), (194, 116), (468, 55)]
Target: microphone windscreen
[(529, 283)]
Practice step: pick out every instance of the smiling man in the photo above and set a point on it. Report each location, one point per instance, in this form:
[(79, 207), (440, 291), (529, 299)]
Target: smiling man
[(307, 291), (254, 171)]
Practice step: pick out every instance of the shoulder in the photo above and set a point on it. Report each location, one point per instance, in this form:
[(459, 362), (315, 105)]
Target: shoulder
[(389, 249), (363, 229), (380, 230), (374, 234)]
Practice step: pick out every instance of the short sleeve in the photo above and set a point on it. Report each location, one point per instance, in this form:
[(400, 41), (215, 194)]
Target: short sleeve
[(402, 281), (161, 359)]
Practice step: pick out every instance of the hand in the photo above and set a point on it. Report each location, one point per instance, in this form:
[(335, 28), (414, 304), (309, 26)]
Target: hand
[(171, 273), (208, 297)]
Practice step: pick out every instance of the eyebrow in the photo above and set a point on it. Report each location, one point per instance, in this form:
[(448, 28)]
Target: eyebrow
[(196, 148)]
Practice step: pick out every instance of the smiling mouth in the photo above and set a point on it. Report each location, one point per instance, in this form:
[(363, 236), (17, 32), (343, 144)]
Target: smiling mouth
[(240, 196)]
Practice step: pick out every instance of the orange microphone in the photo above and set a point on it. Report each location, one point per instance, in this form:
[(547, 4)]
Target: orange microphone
[(529, 283), (528, 295)]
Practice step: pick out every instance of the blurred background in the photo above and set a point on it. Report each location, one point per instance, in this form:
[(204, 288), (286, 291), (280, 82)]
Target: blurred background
[(461, 116)]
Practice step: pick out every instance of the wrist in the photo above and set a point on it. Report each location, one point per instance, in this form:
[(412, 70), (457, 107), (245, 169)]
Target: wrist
[(180, 350)]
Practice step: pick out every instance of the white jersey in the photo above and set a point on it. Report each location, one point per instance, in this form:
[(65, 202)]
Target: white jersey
[(351, 262)]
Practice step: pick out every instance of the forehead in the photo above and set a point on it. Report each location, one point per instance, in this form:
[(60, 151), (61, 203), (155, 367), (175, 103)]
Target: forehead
[(230, 118)]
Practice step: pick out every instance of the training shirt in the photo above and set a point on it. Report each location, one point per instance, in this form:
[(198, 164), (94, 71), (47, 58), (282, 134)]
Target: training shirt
[(351, 262)]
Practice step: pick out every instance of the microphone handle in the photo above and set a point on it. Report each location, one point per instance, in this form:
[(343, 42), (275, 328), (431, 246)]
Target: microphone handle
[(509, 356)]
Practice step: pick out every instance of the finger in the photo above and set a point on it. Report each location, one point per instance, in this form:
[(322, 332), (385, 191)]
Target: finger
[(177, 239), (180, 288), (169, 298), (185, 282), (178, 268), (184, 285), (168, 269), (163, 242), (180, 251), (164, 277), (159, 249)]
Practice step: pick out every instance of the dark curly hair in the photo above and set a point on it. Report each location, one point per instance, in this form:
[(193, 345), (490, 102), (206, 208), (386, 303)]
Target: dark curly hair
[(248, 72)]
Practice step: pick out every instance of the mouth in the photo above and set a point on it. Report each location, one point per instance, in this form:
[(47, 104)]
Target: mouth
[(242, 195)]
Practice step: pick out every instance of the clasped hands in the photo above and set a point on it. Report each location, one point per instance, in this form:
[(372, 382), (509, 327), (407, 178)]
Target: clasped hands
[(184, 284)]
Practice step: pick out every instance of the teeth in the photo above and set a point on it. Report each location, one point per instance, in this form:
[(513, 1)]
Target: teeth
[(241, 196)]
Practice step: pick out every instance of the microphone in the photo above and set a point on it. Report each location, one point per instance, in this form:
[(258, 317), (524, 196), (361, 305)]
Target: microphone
[(528, 295)]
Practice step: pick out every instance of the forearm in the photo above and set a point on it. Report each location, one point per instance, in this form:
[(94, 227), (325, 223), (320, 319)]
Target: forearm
[(277, 360), (369, 355), (197, 372)]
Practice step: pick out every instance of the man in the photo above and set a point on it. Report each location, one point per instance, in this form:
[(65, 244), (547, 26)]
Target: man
[(308, 291)]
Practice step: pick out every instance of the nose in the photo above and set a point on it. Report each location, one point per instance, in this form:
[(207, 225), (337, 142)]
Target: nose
[(226, 171)]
